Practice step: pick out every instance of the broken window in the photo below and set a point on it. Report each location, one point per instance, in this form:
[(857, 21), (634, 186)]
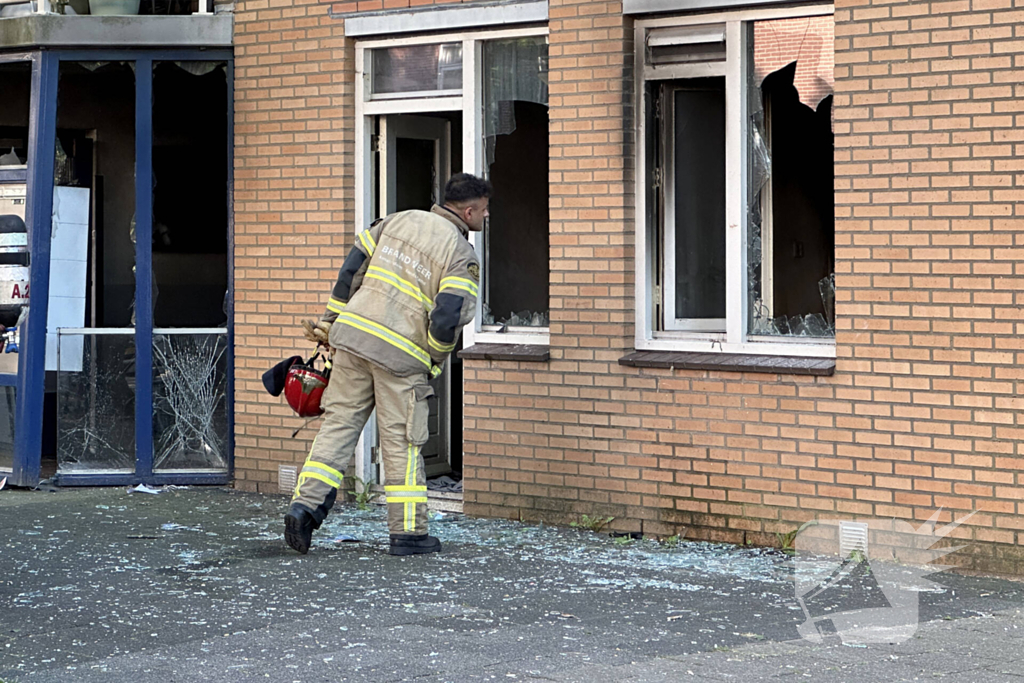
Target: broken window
[(96, 403), (791, 223), (515, 97), (190, 426), (190, 201), (718, 159), (94, 201)]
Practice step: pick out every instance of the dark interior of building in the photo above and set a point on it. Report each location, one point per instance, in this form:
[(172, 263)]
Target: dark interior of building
[(516, 271), (802, 185)]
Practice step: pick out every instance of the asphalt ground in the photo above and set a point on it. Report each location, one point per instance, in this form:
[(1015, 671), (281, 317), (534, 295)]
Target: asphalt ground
[(197, 585)]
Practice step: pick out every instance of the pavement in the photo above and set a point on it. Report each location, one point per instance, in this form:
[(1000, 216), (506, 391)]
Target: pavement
[(197, 585)]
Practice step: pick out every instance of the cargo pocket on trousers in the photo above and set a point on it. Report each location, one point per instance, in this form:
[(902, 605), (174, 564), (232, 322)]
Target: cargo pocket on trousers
[(417, 429)]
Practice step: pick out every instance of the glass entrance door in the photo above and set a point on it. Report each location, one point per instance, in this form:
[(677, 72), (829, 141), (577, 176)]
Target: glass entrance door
[(139, 299)]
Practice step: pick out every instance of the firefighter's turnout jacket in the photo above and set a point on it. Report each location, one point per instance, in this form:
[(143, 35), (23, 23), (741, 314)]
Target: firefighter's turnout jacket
[(405, 291)]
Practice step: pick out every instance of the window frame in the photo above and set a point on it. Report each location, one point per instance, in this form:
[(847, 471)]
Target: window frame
[(735, 69), (470, 103), (668, 233)]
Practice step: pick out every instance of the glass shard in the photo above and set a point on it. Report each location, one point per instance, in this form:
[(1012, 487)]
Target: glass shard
[(808, 41)]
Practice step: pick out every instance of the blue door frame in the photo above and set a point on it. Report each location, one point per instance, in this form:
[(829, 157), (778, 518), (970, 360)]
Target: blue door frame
[(30, 381)]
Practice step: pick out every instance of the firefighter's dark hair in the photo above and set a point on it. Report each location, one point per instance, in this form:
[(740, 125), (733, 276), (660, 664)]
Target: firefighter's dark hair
[(463, 187)]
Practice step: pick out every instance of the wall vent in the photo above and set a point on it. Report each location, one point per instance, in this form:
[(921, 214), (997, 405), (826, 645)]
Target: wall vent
[(853, 537), (287, 475)]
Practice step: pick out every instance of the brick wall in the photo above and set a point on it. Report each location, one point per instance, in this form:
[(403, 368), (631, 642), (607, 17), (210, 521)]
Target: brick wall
[(548, 440), (293, 216), (924, 406), (923, 410), (293, 211), (929, 201)]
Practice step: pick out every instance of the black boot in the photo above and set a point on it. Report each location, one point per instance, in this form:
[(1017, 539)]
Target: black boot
[(299, 524), (404, 544)]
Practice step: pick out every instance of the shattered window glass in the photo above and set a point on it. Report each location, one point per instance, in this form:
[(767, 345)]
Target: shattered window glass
[(515, 131), (791, 225), (96, 403), (190, 421)]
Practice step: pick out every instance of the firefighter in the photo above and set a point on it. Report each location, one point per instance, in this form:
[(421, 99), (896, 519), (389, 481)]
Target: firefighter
[(403, 294)]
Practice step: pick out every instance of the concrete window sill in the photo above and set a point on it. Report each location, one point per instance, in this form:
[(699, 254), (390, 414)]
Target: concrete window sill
[(514, 352), (731, 362)]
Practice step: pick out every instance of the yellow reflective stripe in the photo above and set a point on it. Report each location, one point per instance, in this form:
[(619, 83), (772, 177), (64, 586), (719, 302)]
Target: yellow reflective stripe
[(334, 305), (325, 476), (435, 371), (383, 333), (410, 516), (316, 475), (452, 282), (401, 499), (443, 348), (400, 283), (367, 239), (325, 468), (399, 489), (298, 480)]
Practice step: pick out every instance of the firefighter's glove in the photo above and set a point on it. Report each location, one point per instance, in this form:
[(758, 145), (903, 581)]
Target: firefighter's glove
[(316, 332)]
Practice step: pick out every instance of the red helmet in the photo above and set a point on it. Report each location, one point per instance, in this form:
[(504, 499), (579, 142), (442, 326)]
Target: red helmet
[(304, 387)]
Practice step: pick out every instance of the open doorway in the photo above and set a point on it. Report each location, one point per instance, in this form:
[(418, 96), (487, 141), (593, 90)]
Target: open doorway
[(413, 159)]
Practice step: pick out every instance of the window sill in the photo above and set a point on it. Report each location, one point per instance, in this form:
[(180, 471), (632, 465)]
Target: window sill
[(518, 336), (515, 352), (731, 362)]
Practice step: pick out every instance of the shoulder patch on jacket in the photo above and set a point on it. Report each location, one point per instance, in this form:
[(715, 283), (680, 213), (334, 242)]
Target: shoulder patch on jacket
[(474, 271)]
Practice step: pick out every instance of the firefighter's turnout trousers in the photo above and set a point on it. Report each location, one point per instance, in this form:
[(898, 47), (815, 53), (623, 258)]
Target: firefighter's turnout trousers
[(357, 386)]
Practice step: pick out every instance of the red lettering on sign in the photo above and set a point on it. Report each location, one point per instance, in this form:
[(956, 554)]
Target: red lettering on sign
[(16, 294)]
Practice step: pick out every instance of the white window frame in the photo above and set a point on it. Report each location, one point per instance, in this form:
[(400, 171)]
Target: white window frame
[(735, 338), (470, 103), (670, 322)]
